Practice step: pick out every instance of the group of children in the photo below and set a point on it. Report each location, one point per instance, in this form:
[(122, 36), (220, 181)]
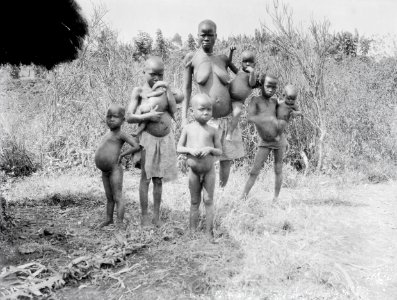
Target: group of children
[(154, 105)]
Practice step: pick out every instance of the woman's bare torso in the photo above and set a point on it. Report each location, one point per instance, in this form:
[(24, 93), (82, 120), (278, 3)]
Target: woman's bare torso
[(210, 73)]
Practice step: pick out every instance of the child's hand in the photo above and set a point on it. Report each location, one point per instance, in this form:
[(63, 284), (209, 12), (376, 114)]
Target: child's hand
[(154, 115), (205, 151), (159, 84), (195, 152), (232, 48), (249, 69)]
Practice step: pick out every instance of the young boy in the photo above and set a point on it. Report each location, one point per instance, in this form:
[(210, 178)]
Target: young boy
[(262, 112), (158, 154), (241, 87), (201, 143), (108, 158), (287, 108)]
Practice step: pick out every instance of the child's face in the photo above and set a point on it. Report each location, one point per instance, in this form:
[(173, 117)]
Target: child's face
[(269, 86), (247, 60), (114, 119), (153, 73), (207, 36), (289, 98), (202, 111)]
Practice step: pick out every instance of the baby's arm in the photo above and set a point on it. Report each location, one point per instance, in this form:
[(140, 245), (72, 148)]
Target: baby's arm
[(182, 149), (252, 77), (230, 64), (129, 140), (133, 117), (172, 109), (296, 111)]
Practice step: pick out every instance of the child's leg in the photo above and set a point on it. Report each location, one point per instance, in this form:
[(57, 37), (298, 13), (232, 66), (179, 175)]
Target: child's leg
[(224, 172), (208, 199), (110, 202), (116, 182), (278, 171), (157, 191), (260, 158), (143, 191), (195, 199), (236, 113)]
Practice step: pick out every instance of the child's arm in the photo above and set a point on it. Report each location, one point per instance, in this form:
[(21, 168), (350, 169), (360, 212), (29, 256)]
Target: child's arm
[(252, 77), (133, 117), (181, 145), (217, 149), (232, 67), (129, 140), (252, 111), (295, 111)]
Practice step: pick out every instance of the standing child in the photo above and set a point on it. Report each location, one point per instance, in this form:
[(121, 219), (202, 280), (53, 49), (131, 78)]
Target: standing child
[(241, 87), (287, 108), (262, 112), (108, 158), (201, 143), (158, 154)]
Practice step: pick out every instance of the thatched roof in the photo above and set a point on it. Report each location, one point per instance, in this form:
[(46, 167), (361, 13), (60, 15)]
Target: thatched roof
[(42, 32)]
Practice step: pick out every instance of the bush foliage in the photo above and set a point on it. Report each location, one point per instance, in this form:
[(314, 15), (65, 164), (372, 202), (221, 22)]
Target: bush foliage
[(348, 100)]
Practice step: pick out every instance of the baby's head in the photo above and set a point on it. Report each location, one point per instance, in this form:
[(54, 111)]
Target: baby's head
[(154, 70), (202, 108), (115, 116), (247, 60), (290, 94)]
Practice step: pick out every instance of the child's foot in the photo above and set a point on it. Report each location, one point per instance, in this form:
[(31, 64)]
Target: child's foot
[(157, 222), (275, 202), (121, 225), (106, 223), (145, 221), (210, 237)]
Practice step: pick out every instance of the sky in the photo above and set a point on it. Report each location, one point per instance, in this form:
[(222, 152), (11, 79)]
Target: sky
[(233, 17)]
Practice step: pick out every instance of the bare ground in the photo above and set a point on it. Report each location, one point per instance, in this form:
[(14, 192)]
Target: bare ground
[(329, 243)]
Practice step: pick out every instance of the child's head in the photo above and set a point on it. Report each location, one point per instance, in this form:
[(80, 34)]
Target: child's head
[(115, 116), (290, 94), (154, 70), (207, 35), (247, 60), (269, 85), (202, 108)]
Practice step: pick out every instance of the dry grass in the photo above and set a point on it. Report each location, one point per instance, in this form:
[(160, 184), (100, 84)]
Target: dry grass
[(309, 246)]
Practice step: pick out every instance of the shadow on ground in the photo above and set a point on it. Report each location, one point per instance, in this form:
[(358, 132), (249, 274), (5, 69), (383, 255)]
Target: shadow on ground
[(170, 264)]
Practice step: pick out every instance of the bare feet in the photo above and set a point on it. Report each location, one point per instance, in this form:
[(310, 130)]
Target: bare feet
[(157, 222), (106, 223), (145, 221), (121, 225)]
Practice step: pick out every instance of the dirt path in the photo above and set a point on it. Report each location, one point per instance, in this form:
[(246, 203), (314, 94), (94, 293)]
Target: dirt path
[(369, 249)]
